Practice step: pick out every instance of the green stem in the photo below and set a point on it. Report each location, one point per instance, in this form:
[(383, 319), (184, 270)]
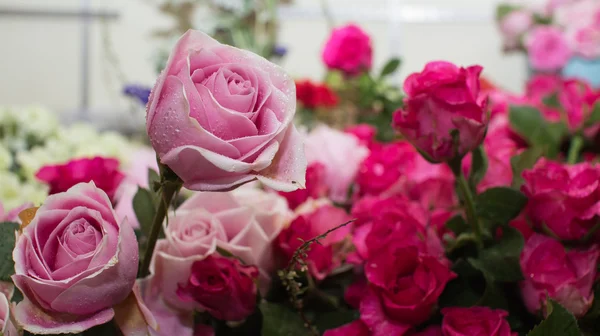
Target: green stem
[(327, 13), (574, 149), (168, 190), (472, 219)]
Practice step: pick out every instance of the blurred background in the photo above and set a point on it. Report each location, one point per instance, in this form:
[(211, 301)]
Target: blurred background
[(76, 56)]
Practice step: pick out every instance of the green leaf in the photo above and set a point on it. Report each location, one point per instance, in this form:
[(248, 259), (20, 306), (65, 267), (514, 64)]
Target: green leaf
[(390, 67), (531, 125), (334, 319), (279, 320), (7, 245), (153, 179), (457, 224), (504, 9), (523, 161), (464, 290), (559, 322), (501, 260), (144, 207), (552, 101), (479, 167), (500, 204), (595, 115)]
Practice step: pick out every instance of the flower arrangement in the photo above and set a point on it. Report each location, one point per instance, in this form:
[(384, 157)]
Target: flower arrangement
[(479, 218), (553, 33)]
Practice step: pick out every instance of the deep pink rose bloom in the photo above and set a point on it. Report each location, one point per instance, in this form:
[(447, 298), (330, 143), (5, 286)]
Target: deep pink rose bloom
[(104, 172), (475, 321), (314, 219), (365, 133), (223, 287), (405, 287), (542, 86), (383, 167), (219, 117), (316, 186), (244, 222), (564, 198), (356, 328), (74, 243), (7, 328), (355, 292), (441, 99), (547, 48), (577, 99), (400, 222), (565, 276), (340, 153), (349, 50), (513, 26)]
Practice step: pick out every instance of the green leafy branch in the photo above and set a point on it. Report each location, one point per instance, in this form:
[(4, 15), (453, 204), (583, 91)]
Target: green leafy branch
[(289, 275)]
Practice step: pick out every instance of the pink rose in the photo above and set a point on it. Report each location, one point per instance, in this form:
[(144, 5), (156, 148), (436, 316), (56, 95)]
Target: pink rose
[(244, 222), (542, 86), (565, 276), (356, 328), (221, 286), (573, 97), (316, 186), (383, 167), (314, 219), (219, 116), (514, 25), (475, 321), (73, 243), (135, 176), (7, 328), (104, 172), (563, 198), (390, 309), (576, 13), (348, 49), (340, 153), (547, 48), (440, 100), (585, 40)]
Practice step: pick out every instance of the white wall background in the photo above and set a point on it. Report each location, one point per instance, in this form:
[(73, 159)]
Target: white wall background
[(40, 57)]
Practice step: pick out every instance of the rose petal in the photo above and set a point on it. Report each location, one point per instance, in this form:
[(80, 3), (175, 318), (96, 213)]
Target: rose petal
[(133, 317), (38, 321), (373, 315)]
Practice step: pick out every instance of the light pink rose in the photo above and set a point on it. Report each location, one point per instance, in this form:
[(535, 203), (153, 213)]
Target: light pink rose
[(547, 48), (219, 117), (244, 222), (73, 244), (340, 153), (578, 13), (565, 276), (136, 176), (514, 25), (585, 38), (7, 328)]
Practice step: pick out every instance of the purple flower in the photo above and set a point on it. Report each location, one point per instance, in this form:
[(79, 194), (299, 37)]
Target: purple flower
[(139, 92)]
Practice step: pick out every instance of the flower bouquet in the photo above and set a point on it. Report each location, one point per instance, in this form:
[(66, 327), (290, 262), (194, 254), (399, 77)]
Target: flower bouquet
[(560, 35), (481, 219)]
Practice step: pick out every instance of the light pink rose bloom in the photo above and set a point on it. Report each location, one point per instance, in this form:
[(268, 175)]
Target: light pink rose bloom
[(135, 176), (547, 48), (219, 117), (7, 328), (514, 25), (244, 222), (585, 38), (340, 153), (565, 276), (579, 13), (73, 244)]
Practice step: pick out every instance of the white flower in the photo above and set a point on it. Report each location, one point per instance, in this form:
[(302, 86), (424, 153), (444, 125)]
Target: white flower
[(5, 158), (14, 193)]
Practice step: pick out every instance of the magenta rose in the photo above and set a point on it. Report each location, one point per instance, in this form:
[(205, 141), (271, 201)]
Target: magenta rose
[(348, 49), (340, 153), (73, 243), (7, 328), (405, 287), (104, 172), (365, 133), (565, 276), (243, 222), (219, 117), (313, 219), (475, 321), (441, 100), (221, 286), (547, 48), (563, 198)]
